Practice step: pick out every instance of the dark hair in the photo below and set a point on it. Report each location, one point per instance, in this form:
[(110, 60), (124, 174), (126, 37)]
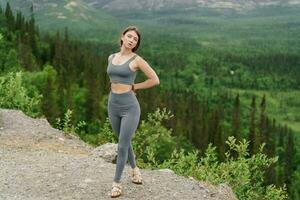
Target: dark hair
[(135, 29)]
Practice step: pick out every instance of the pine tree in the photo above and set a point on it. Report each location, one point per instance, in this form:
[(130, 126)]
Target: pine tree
[(252, 137), (10, 19), (25, 55), (58, 51), (20, 24), (262, 133), (281, 155), (68, 64), (289, 158), (236, 119), (58, 66), (32, 33), (219, 139), (215, 132), (93, 93), (271, 175), (49, 101), (197, 115)]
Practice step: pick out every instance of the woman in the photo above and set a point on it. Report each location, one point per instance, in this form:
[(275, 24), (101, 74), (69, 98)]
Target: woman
[(123, 106)]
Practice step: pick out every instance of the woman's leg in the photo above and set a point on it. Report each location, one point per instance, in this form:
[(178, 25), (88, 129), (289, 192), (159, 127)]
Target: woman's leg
[(131, 156), (129, 124), (115, 121)]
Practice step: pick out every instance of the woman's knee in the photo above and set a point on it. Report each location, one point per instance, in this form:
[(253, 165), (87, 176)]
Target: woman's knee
[(123, 147)]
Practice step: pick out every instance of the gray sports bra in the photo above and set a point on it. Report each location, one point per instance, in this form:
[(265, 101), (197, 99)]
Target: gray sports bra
[(121, 73)]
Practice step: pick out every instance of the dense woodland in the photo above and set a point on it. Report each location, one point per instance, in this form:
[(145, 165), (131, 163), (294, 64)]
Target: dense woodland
[(195, 88)]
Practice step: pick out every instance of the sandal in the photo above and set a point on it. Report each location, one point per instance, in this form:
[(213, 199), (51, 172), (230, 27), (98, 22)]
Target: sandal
[(136, 176), (116, 190)]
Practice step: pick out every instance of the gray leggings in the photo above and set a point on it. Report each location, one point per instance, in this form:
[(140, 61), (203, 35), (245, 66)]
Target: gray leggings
[(124, 115)]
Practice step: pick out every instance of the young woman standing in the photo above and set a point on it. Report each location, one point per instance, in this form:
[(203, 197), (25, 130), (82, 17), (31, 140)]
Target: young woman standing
[(123, 106)]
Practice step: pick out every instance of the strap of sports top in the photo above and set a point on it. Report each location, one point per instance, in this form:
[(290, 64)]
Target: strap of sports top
[(133, 57), (130, 59), (113, 55)]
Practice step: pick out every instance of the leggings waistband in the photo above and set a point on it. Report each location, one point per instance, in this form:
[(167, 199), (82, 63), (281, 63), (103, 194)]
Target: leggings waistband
[(125, 98)]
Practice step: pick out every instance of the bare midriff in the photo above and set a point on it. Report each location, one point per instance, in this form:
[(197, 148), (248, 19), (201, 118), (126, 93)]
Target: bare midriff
[(120, 87)]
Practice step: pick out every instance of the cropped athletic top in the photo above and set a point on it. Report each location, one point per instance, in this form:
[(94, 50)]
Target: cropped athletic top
[(121, 73)]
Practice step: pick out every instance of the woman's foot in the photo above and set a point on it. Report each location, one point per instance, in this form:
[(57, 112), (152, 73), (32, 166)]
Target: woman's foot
[(136, 176), (116, 190)]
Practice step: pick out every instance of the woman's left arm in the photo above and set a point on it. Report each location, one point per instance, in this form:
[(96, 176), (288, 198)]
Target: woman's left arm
[(149, 72)]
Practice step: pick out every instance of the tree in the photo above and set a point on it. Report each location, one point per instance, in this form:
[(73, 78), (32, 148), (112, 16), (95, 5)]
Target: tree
[(253, 142), (271, 176), (49, 101), (10, 19), (236, 119), (289, 166), (32, 33), (263, 129), (281, 154)]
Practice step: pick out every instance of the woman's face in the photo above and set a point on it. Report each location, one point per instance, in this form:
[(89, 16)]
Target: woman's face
[(130, 39)]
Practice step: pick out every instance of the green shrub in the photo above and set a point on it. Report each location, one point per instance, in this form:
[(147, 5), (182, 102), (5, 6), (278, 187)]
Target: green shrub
[(181, 163), (14, 95), (153, 142), (243, 173), (106, 134), (65, 124)]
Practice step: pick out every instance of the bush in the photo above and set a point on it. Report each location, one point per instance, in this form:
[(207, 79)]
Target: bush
[(243, 173), (153, 142), (65, 124), (14, 95), (106, 134)]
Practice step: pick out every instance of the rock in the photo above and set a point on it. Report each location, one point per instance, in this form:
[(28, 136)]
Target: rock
[(223, 188), (40, 162), (107, 151), (166, 171)]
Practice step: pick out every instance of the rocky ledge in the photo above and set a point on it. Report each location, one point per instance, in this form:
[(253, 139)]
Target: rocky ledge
[(39, 162)]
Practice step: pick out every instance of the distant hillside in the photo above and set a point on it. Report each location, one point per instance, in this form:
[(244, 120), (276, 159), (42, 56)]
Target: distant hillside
[(56, 14), (150, 4), (105, 17), (188, 4)]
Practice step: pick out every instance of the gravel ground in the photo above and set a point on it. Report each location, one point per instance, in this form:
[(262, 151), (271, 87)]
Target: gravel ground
[(38, 162)]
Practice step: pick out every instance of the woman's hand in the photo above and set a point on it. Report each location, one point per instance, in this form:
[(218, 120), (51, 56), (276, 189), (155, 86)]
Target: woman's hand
[(133, 89)]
